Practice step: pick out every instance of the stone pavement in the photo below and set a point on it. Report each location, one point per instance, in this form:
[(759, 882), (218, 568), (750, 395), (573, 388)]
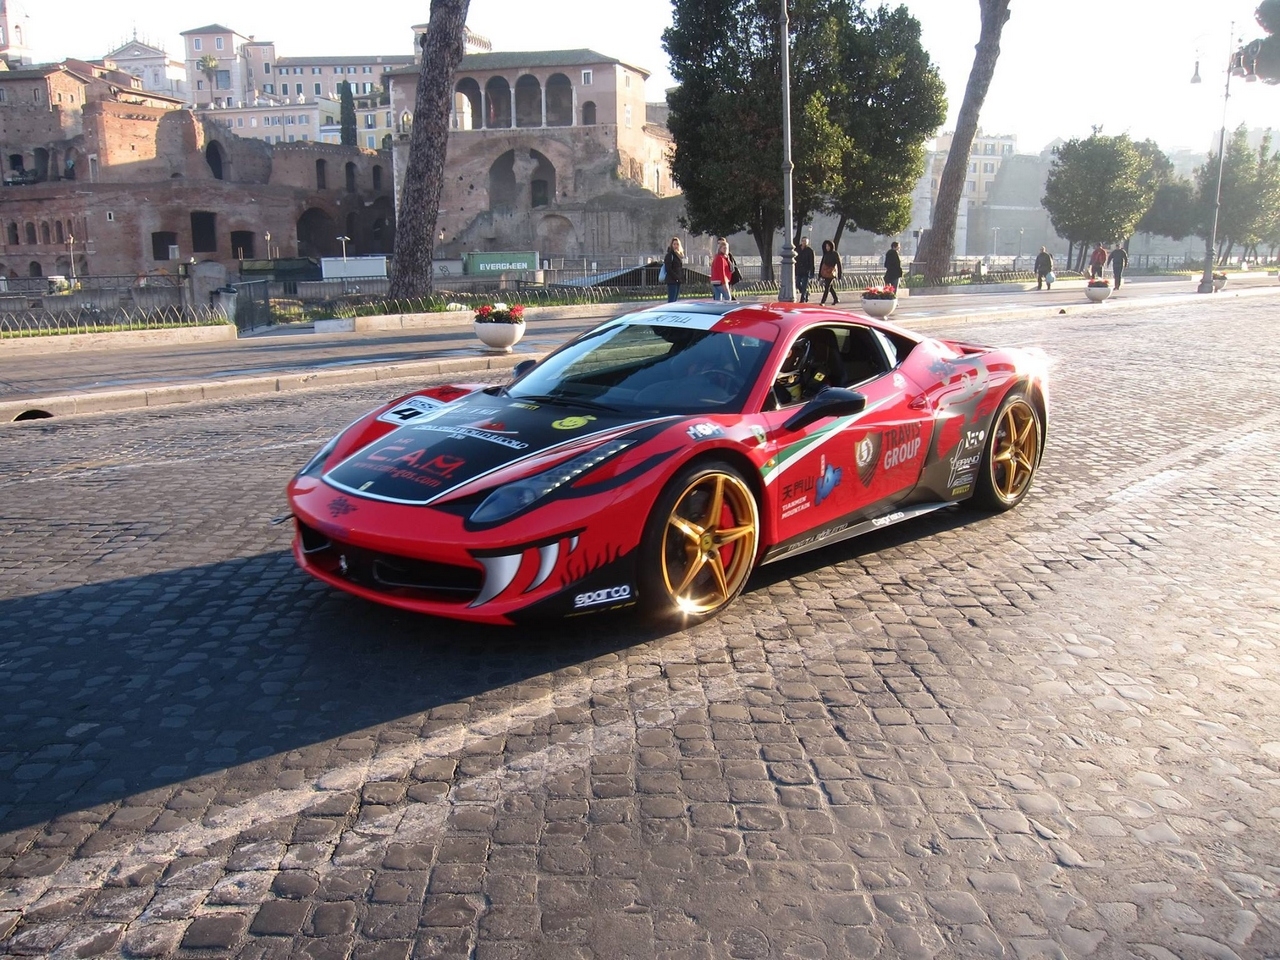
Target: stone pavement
[(1052, 733)]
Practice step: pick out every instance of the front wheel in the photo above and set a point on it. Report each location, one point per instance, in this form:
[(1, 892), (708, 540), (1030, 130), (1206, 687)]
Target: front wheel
[(1011, 457), (700, 542)]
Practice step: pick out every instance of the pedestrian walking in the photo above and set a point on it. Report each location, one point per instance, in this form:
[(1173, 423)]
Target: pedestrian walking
[(1044, 269), (892, 266), (721, 272), (829, 271), (1119, 259), (804, 268), (735, 276), (673, 268), (1097, 261)]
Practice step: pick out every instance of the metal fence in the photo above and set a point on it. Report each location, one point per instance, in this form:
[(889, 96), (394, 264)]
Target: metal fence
[(91, 319)]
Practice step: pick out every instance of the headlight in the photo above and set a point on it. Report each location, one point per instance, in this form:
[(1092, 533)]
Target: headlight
[(321, 456), (510, 499)]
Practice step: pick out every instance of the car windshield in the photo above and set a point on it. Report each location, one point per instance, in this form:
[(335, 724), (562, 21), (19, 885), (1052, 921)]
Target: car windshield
[(638, 367)]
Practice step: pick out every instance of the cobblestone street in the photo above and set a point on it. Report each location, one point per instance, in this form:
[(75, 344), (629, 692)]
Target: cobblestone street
[(1049, 733)]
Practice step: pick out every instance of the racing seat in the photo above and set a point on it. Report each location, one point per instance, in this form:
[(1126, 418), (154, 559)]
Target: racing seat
[(822, 368)]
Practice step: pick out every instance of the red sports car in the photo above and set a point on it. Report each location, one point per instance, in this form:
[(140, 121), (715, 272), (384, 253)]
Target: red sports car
[(656, 460)]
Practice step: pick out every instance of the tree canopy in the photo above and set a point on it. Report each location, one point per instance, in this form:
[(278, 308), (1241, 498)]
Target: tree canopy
[(1250, 197), (864, 96), (1099, 188)]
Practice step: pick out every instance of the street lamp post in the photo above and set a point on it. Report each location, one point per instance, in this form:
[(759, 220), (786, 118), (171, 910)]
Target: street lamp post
[(344, 240), (995, 241), (1211, 243), (268, 236), (786, 283), (71, 251)]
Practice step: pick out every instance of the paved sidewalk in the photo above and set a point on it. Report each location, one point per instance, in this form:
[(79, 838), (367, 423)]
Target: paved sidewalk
[(135, 373)]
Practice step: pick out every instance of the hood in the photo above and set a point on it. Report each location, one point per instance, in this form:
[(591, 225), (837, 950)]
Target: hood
[(468, 440)]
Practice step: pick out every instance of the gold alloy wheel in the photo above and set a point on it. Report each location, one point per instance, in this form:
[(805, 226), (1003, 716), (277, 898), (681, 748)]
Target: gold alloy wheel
[(1015, 449), (709, 543)]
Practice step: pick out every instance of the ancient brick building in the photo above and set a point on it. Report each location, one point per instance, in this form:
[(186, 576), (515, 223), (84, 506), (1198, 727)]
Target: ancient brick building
[(128, 182), (550, 151)]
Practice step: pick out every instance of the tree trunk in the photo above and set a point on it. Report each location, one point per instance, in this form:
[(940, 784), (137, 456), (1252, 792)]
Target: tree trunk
[(442, 48), (941, 240), (764, 246), (840, 225), (1071, 245)]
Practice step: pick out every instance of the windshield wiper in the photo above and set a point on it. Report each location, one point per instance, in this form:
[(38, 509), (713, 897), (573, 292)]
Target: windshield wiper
[(563, 401)]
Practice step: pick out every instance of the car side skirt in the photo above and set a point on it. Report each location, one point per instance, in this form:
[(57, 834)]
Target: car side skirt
[(848, 529)]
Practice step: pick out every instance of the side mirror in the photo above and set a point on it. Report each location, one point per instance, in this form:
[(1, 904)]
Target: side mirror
[(831, 402), (521, 368)]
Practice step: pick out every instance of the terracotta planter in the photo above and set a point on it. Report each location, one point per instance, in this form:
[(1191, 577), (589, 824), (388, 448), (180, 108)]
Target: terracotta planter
[(879, 308), (1097, 294), (499, 336)]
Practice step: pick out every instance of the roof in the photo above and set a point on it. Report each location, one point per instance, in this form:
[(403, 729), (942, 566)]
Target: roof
[(211, 28), (382, 58), (540, 58), (135, 48)]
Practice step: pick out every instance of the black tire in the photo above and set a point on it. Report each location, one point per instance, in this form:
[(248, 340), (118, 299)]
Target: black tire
[(1011, 457), (695, 557)]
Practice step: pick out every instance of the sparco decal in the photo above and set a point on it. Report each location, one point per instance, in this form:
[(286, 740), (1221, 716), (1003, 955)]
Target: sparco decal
[(597, 597), (902, 445)]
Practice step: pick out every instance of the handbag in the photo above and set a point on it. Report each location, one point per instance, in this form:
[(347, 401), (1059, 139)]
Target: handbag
[(735, 277), (662, 274), (1049, 277), (827, 271)]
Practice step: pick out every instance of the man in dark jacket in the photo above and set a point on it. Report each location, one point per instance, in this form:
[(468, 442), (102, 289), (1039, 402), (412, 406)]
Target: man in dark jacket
[(892, 266), (1119, 259), (804, 268), (1044, 267)]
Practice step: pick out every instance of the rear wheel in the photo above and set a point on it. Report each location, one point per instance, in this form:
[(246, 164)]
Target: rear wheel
[(1012, 455), (700, 542)]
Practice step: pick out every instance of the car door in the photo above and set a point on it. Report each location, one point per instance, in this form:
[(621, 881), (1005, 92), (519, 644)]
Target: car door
[(831, 473)]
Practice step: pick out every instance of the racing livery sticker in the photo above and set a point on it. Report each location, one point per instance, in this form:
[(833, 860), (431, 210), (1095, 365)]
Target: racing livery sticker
[(704, 431), (411, 409), (572, 423), (901, 445), (965, 462), (865, 455)]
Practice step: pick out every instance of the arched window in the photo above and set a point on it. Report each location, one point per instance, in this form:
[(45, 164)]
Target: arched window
[(320, 175), (497, 101), (589, 114), (58, 235), (31, 234), (13, 233), (44, 233), (213, 157), (559, 94), (377, 177), (351, 178)]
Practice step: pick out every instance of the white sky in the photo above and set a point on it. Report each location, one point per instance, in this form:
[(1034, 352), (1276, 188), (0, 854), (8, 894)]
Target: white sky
[(1124, 64)]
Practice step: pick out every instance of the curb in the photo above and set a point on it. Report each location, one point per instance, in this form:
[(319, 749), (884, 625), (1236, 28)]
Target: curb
[(37, 408), (85, 342)]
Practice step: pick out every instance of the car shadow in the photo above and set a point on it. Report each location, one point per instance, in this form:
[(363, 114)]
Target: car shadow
[(122, 687)]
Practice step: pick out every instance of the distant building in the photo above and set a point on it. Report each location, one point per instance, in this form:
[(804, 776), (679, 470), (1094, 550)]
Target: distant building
[(159, 72), (123, 181), (15, 35), (551, 150)]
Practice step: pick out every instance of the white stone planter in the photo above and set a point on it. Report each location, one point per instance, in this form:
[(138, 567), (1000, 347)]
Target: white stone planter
[(1097, 294), (499, 336), (879, 308), (1219, 283)]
